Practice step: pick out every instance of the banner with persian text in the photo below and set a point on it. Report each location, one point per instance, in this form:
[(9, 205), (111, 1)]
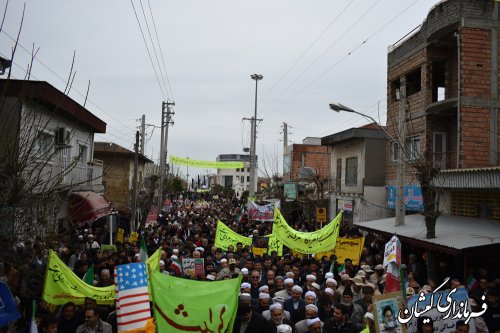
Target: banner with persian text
[(205, 164)]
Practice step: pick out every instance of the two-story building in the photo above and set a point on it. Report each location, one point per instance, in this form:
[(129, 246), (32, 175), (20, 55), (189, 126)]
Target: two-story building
[(47, 168), (358, 173), (235, 179), (119, 173)]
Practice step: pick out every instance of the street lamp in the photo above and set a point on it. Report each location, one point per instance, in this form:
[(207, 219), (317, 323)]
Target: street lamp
[(253, 141), (400, 210)]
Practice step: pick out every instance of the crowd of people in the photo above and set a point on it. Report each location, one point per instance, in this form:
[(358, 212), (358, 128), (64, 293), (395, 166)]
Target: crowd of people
[(284, 293)]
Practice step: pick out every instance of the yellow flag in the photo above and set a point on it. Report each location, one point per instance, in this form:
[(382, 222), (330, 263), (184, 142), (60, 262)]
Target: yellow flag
[(62, 285)]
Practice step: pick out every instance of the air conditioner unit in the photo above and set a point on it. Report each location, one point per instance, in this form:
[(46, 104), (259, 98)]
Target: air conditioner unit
[(62, 136)]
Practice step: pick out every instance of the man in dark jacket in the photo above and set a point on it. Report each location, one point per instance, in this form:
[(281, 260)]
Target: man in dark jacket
[(340, 322), (296, 305), (248, 321)]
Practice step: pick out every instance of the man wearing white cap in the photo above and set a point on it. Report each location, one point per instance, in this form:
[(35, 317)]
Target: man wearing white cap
[(310, 297), (287, 292), (262, 304), (284, 329), (296, 305), (311, 312), (277, 316), (267, 314), (314, 325), (228, 271)]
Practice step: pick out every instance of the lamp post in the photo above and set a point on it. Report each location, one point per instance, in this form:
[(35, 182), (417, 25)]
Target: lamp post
[(400, 210), (253, 142)]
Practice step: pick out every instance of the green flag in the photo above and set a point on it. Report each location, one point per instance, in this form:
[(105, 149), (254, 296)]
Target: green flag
[(183, 305), (89, 276)]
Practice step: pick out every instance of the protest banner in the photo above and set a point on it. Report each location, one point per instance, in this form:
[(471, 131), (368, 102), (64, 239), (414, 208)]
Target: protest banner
[(183, 305), (224, 237), (306, 242), (261, 212), (62, 285), (349, 248), (386, 309), (193, 266), (134, 236), (119, 235), (205, 164)]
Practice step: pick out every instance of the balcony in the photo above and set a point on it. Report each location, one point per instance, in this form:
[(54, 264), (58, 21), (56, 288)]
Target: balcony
[(89, 174), (442, 160)]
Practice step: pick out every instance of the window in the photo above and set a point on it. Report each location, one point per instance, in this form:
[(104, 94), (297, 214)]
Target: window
[(338, 177), (351, 171), (413, 82), (395, 86), (248, 178), (248, 170), (45, 145), (242, 179), (439, 149), (413, 148), (394, 152), (82, 154)]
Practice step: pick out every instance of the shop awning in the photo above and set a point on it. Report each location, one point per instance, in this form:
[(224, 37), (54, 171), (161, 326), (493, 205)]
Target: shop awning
[(87, 207), (453, 233)]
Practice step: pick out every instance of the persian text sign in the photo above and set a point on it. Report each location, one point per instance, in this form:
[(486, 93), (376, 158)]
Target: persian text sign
[(62, 285), (183, 305), (193, 266), (205, 164), (349, 248), (224, 237), (306, 242), (445, 308)]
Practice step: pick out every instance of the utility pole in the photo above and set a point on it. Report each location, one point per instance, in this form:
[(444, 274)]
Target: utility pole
[(166, 120), (253, 159), (285, 137), (134, 183), (143, 133), (400, 196)]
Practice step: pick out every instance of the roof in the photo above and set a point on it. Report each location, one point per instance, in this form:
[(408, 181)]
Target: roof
[(453, 233), (44, 93), (113, 148), (369, 131)]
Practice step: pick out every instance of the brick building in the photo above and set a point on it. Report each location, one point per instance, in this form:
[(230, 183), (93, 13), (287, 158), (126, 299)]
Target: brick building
[(303, 160), (443, 80), (119, 172), (451, 109)]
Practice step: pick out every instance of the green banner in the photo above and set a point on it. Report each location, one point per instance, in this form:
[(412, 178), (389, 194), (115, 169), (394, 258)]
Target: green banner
[(306, 242), (224, 237), (205, 164), (62, 285), (183, 305)]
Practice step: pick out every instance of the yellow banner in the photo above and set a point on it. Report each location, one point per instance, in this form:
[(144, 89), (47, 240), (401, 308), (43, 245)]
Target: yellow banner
[(134, 236), (306, 242), (205, 164), (62, 285), (349, 248), (224, 237), (119, 235)]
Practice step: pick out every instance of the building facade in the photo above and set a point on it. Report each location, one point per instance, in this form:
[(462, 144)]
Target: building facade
[(450, 70), (49, 138), (118, 173), (358, 173), (235, 179)]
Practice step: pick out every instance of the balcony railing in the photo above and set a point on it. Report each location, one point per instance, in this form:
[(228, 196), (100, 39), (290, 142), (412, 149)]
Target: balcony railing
[(442, 160), (81, 174)]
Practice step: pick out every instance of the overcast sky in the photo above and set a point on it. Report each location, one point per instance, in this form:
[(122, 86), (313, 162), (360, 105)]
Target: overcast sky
[(310, 53)]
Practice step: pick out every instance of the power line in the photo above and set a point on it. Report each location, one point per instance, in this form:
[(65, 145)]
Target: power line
[(325, 51), (147, 49), (343, 58), (307, 50), (153, 46), (161, 52), (62, 79)]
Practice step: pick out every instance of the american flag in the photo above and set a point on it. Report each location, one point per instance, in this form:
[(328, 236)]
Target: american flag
[(132, 297)]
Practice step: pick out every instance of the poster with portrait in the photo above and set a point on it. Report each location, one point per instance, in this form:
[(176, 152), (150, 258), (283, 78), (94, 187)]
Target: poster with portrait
[(386, 308)]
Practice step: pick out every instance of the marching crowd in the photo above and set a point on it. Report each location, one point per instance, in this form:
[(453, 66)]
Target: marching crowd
[(278, 293)]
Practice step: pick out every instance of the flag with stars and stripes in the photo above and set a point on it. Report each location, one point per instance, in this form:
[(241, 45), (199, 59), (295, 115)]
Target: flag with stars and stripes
[(132, 296)]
